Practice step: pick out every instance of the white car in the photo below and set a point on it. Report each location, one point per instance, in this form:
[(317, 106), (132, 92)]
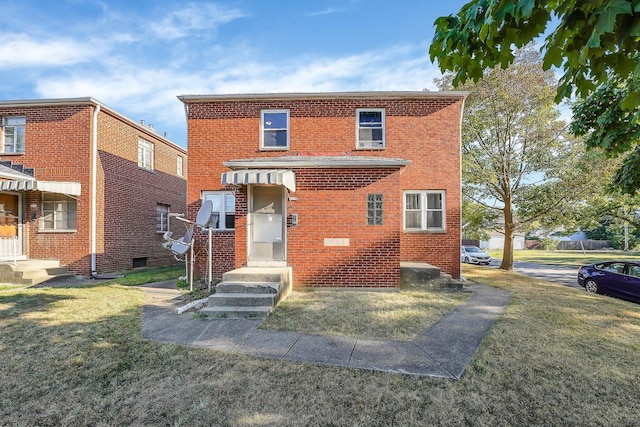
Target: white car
[(474, 255)]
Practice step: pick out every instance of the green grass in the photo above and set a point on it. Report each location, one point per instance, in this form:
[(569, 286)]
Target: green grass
[(389, 315), (150, 275), (74, 356), (573, 258)]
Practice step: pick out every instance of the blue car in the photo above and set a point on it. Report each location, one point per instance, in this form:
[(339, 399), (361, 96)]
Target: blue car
[(616, 278)]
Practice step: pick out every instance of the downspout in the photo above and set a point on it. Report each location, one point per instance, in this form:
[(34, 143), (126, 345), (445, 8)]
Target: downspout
[(94, 190)]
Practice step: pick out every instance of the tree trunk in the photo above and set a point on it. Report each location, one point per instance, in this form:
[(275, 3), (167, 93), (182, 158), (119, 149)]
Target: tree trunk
[(509, 232)]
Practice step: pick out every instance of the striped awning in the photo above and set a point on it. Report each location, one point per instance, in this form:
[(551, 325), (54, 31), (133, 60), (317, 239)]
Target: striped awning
[(69, 188), (261, 176)]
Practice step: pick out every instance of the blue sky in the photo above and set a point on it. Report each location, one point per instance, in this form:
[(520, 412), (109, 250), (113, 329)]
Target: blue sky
[(137, 56)]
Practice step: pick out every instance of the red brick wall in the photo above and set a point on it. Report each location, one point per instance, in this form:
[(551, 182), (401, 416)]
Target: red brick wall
[(58, 147), (131, 195), (424, 130), (332, 203)]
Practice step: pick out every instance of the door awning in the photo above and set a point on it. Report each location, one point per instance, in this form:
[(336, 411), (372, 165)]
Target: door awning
[(69, 188), (261, 176)]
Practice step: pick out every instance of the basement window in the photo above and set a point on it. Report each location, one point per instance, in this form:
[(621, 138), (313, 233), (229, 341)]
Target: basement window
[(139, 262)]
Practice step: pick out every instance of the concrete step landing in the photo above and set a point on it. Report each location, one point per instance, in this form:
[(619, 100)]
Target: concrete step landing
[(420, 275), (33, 272), (247, 293)]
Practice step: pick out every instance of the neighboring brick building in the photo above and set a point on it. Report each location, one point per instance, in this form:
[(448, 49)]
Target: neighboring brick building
[(341, 187), (83, 184)]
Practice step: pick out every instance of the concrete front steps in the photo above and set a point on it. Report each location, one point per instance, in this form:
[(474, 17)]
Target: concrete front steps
[(248, 293), (33, 272), (420, 275)]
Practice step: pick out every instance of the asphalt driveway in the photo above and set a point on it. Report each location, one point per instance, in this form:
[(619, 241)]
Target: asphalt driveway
[(560, 274)]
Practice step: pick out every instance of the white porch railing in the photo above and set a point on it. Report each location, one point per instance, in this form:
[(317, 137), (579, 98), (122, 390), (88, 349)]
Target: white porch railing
[(9, 249)]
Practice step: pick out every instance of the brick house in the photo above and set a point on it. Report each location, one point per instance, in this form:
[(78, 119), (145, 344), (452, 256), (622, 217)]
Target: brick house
[(82, 184), (339, 187)]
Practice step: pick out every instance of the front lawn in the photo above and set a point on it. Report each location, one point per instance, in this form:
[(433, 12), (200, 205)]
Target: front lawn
[(73, 356), (572, 258), (365, 314)]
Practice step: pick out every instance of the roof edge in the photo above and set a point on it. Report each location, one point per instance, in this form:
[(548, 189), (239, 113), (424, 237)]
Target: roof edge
[(87, 100), (324, 95)]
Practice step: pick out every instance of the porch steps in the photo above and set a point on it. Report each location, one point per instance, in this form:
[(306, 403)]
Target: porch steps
[(33, 272), (248, 293), (420, 275)]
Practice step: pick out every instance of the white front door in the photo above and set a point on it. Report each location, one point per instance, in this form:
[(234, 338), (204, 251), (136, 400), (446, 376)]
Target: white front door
[(267, 226)]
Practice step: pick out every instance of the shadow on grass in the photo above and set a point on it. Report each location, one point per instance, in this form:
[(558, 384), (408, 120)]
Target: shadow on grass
[(24, 302), (75, 356)]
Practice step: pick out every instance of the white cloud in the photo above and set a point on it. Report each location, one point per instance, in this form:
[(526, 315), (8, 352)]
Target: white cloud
[(150, 93), (19, 50), (396, 68), (193, 17), (327, 11)]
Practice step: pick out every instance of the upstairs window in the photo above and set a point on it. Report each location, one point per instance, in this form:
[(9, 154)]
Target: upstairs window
[(224, 209), (162, 218), (13, 134), (424, 210), (58, 212), (179, 162), (274, 129), (145, 154), (370, 128)]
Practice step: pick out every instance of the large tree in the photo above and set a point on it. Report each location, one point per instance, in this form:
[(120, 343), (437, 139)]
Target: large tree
[(594, 42), (514, 148)]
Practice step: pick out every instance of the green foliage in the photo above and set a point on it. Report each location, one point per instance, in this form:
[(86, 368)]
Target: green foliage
[(612, 230), (477, 220), (548, 244), (594, 41), (608, 125), (596, 44)]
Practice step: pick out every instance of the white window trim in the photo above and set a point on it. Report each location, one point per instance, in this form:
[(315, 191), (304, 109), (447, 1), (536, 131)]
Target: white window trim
[(63, 199), (423, 210), (222, 218), (262, 129), (368, 144), (23, 125), (146, 147), (164, 219)]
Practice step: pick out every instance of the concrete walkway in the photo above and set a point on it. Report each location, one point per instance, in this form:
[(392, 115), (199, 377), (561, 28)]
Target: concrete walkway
[(444, 350)]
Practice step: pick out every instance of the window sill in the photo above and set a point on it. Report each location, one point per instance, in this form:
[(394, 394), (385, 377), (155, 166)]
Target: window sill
[(58, 231), (12, 154), (370, 148), (438, 231), (274, 149), (146, 170)]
